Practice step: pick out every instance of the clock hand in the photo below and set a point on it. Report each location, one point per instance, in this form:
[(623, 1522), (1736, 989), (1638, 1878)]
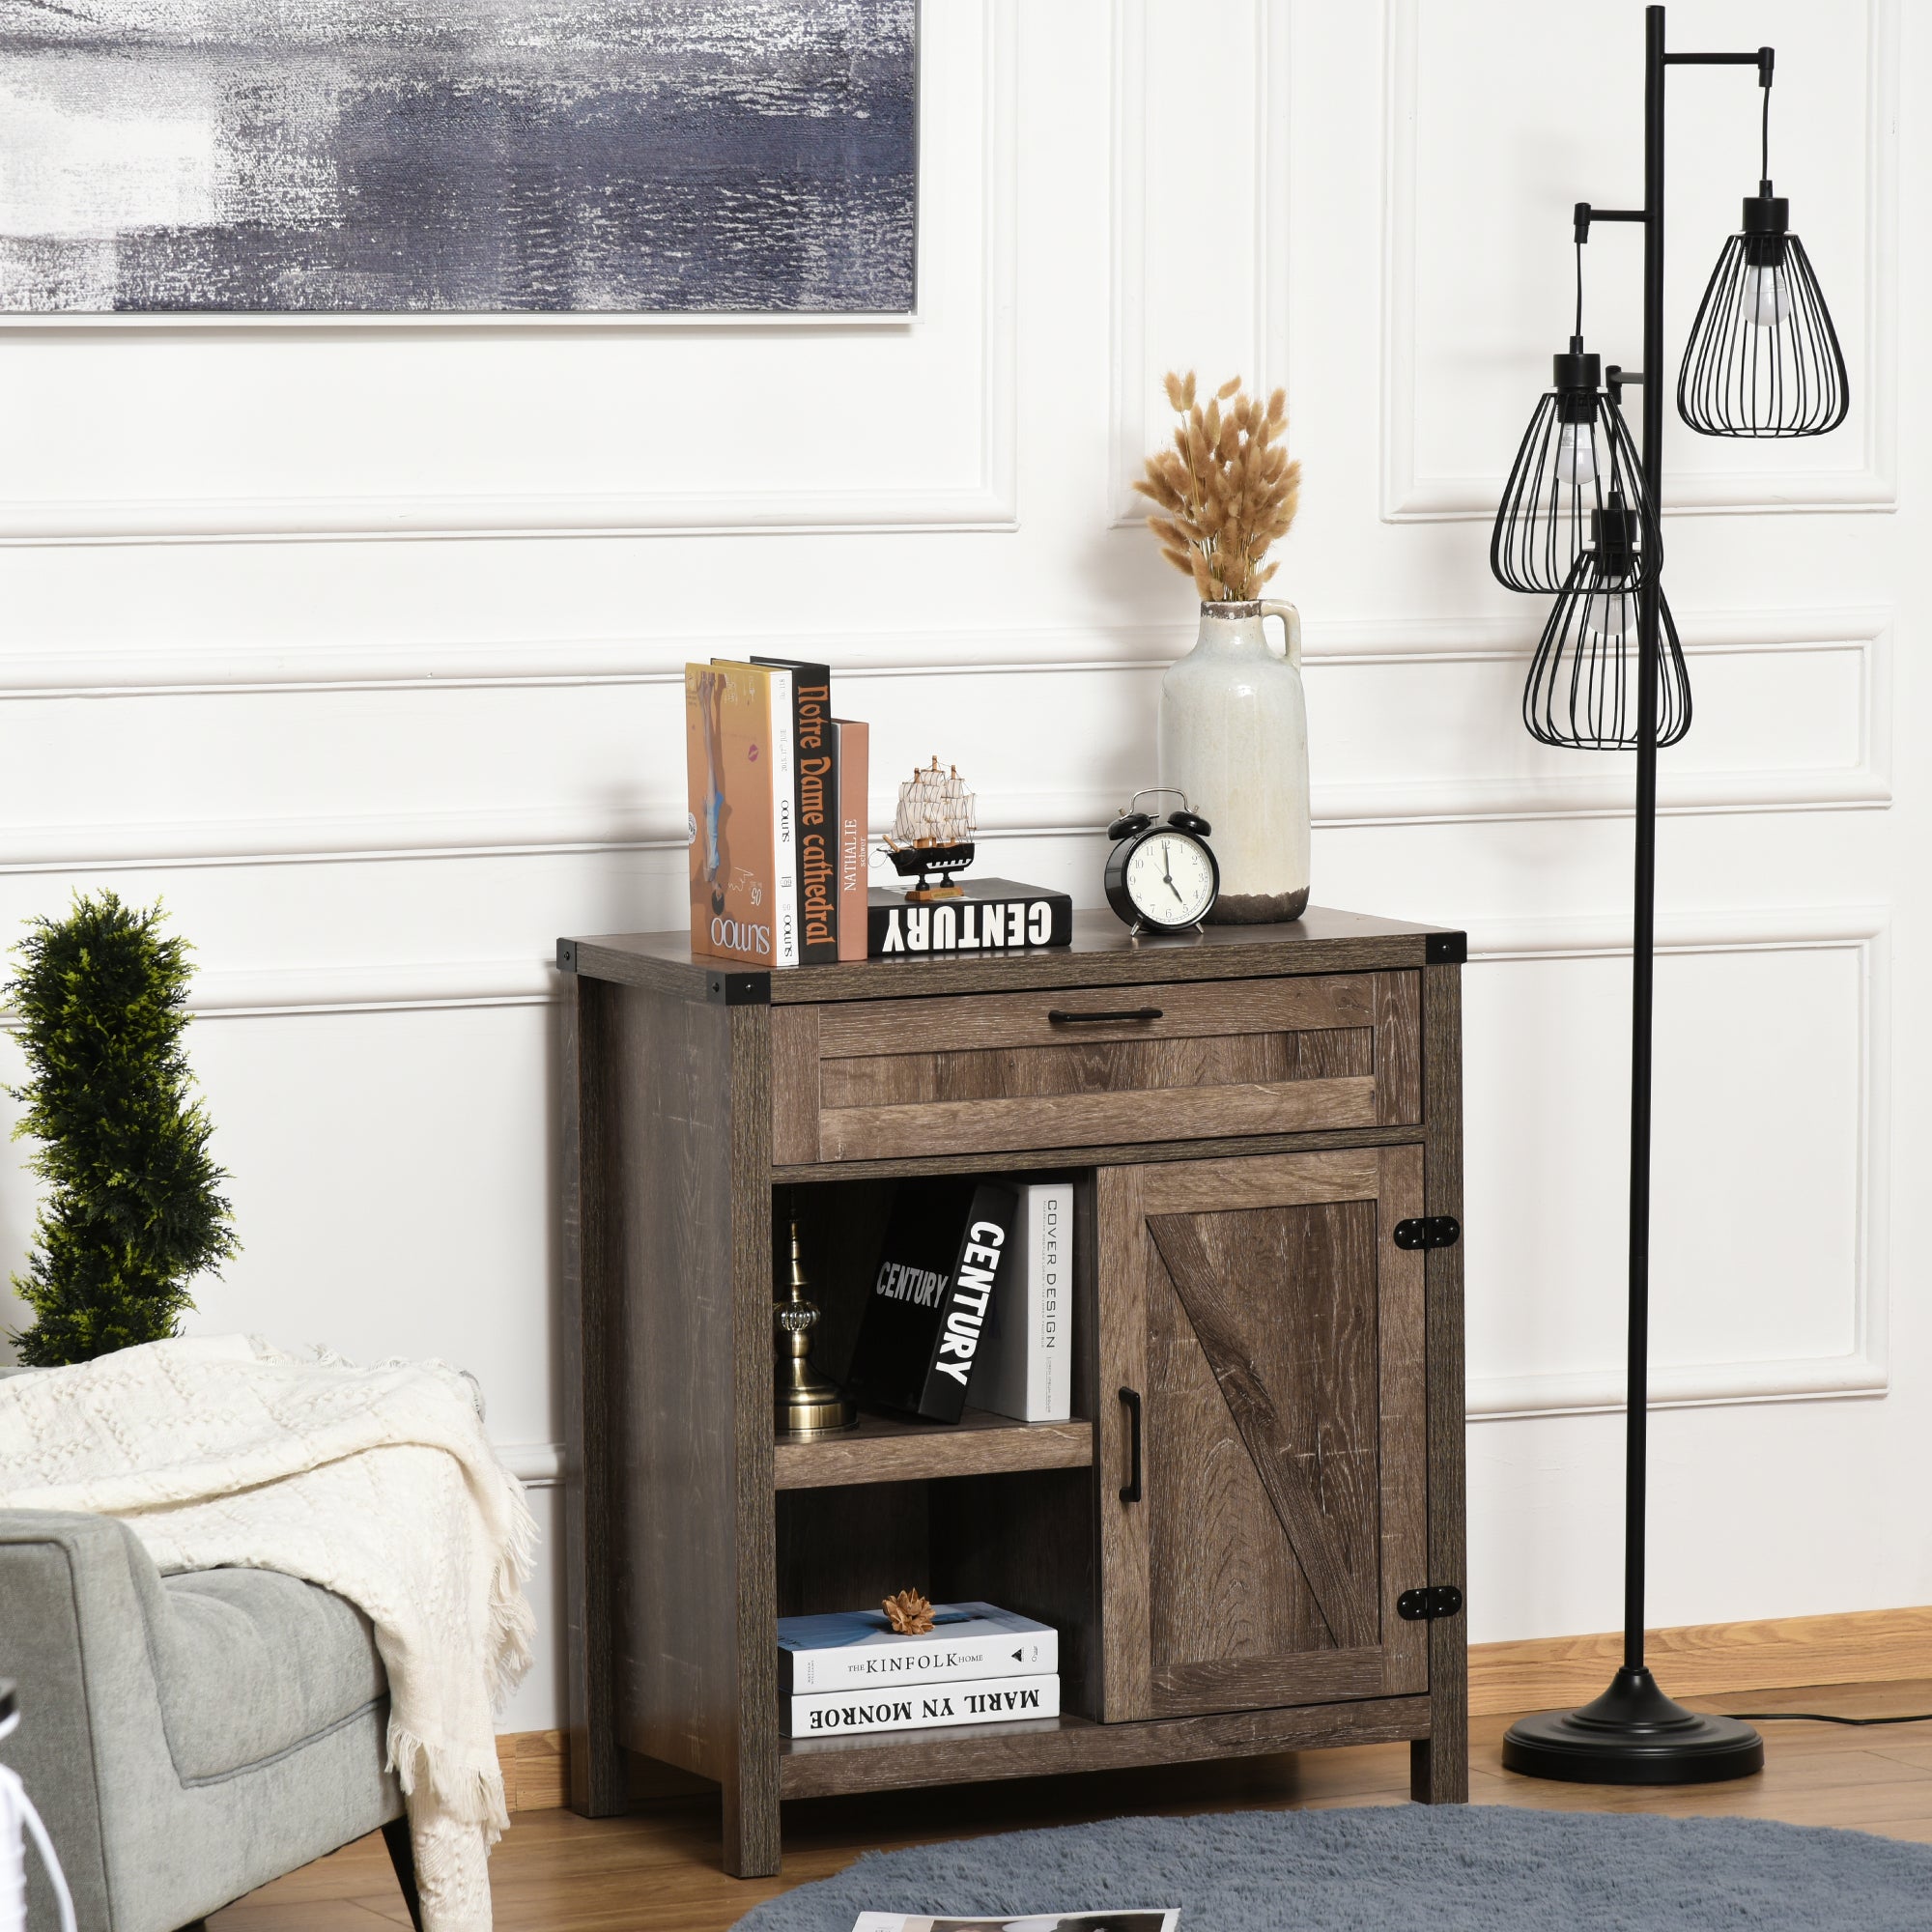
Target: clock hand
[(1167, 859)]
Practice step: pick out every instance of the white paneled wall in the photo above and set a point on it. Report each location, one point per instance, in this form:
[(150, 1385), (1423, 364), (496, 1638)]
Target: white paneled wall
[(360, 645)]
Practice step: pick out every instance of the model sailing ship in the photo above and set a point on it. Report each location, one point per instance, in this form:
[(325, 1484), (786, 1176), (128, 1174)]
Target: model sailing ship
[(932, 833)]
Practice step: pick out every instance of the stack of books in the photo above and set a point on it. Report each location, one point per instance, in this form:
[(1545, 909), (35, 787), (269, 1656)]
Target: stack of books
[(780, 866), (850, 1671), (973, 1301)]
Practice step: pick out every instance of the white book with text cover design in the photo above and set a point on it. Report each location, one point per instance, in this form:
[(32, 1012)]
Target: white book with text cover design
[(857, 1650), (921, 1707)]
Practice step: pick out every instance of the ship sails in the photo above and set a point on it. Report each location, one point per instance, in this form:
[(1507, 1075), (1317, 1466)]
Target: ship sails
[(935, 808)]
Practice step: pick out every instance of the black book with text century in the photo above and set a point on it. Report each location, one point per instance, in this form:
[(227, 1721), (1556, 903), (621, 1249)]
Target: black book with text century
[(949, 1248)]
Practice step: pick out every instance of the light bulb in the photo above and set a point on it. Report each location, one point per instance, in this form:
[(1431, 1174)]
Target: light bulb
[(1767, 295), (1575, 455), (1610, 618)]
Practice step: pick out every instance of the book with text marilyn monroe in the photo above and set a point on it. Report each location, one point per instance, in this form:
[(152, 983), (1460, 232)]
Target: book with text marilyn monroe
[(948, 1252), (853, 1650), (1024, 1365), (1155, 1920), (919, 1707), (815, 789), (989, 915), (742, 827)]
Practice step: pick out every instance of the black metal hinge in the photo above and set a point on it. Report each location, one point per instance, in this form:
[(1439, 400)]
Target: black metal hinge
[(1429, 1231), (1426, 1605)]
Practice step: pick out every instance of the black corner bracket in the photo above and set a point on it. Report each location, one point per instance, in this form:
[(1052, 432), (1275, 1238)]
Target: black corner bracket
[(1446, 948), (566, 956), (738, 989)]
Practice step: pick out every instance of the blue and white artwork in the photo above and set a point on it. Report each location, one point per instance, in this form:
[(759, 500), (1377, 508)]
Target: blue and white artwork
[(471, 156)]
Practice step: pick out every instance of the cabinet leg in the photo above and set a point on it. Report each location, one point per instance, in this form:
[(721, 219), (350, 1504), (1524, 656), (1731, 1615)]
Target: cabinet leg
[(1438, 1771), (752, 1848)]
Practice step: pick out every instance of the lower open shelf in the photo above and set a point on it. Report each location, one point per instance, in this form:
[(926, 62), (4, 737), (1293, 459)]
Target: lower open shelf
[(887, 1449), (963, 1753)]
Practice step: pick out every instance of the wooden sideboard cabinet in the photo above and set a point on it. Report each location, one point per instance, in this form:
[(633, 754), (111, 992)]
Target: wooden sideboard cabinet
[(1263, 1486)]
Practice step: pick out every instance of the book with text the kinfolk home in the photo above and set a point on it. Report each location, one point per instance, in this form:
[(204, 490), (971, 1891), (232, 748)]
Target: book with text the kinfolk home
[(734, 826), (919, 1707), (950, 1246), (738, 754), (1135, 1919), (854, 752), (1024, 1365), (815, 796), (852, 1650)]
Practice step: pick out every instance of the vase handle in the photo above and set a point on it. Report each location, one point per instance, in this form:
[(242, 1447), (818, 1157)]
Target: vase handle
[(1290, 628)]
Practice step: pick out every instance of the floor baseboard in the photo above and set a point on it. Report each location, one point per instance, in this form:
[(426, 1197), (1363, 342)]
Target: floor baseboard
[(1699, 1660), (1533, 1674)]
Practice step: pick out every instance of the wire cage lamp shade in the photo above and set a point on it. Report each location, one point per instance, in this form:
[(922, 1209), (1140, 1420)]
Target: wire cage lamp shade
[(1763, 360), (1582, 692), (1576, 459)]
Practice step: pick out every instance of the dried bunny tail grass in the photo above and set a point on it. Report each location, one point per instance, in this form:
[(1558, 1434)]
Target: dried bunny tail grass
[(1227, 485)]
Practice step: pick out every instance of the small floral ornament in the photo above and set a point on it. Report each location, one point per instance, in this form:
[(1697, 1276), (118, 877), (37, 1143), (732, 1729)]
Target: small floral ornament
[(909, 1613), (1226, 490)]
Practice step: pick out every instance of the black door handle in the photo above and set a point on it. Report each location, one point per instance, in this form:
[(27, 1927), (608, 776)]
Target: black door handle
[(1131, 1492), (1059, 1018)]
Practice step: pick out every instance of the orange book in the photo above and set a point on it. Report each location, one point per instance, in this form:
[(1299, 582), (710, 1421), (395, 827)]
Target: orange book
[(853, 760), (740, 795)]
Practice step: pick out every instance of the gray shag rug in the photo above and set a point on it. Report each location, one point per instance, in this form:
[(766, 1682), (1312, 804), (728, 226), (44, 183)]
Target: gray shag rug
[(1400, 1868)]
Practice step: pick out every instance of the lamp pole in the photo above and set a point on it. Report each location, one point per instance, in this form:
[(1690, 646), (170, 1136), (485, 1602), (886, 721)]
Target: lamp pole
[(1634, 1733)]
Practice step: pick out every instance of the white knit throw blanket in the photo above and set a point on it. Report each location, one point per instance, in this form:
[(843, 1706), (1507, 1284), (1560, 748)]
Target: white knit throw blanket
[(377, 1484)]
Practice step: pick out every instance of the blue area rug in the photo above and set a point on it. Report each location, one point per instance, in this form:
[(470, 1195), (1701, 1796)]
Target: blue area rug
[(1400, 1868)]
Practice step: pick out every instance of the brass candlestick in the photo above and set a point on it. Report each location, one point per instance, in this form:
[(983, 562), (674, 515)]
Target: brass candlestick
[(805, 1403)]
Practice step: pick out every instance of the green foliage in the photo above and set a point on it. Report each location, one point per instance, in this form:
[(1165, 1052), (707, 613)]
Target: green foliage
[(132, 1210)]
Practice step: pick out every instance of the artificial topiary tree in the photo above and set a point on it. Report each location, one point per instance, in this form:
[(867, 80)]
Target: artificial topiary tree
[(133, 1208)]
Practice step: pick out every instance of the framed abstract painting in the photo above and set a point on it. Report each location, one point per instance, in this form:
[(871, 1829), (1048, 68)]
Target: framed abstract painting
[(459, 156)]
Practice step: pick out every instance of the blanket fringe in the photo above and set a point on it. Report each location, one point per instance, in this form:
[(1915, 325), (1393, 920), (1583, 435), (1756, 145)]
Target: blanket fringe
[(461, 1786)]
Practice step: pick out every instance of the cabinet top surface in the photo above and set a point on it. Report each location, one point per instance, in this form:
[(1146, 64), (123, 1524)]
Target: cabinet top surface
[(1102, 953)]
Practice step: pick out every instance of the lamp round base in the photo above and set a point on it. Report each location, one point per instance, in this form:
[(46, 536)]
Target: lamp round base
[(1633, 1734)]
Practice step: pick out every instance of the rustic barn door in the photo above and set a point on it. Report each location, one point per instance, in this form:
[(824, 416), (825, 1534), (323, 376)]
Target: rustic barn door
[(1262, 1501)]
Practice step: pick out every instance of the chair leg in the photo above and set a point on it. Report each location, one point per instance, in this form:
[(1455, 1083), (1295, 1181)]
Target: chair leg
[(396, 1835)]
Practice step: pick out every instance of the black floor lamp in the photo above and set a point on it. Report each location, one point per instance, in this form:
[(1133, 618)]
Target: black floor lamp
[(1579, 517)]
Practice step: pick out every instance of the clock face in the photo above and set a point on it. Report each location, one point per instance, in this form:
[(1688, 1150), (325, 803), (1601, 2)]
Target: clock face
[(1169, 879)]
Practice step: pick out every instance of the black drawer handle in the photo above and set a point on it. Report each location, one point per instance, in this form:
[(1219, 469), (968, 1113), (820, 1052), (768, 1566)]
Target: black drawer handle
[(1060, 1018), (1131, 1492)]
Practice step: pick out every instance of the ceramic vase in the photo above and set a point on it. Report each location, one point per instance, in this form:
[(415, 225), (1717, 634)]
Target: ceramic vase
[(1234, 736)]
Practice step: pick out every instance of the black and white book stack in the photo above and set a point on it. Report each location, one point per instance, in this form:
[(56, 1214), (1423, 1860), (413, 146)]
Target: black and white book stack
[(973, 1300), (977, 1665)]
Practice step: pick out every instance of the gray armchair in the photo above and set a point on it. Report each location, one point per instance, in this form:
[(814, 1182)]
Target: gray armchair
[(184, 1738)]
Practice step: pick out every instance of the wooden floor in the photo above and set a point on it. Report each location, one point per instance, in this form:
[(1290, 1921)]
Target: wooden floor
[(557, 1872)]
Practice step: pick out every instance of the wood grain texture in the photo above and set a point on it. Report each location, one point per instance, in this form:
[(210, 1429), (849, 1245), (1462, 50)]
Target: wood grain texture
[(1278, 1181), (1440, 1766), (1078, 1120), (1701, 1659), (795, 1098), (1104, 1154), (1126, 1679), (882, 1448), (536, 1769), (588, 1290), (1102, 954), (752, 1840), (818, 1767), (1207, 1290), (1079, 1065), (1398, 999), (1260, 1683), (1189, 1009), (1401, 1353)]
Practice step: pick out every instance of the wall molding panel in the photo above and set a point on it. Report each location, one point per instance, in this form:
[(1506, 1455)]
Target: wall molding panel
[(987, 499), (1130, 432), (1862, 1371), (1409, 496), (659, 823)]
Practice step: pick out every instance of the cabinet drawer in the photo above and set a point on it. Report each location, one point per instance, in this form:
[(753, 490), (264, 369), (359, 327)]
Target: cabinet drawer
[(1095, 1065)]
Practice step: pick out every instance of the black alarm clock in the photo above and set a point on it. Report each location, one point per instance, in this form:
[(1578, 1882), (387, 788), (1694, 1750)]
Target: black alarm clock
[(1160, 876)]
